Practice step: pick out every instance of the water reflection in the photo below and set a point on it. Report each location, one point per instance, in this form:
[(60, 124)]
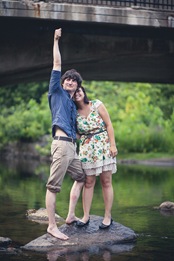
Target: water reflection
[(137, 189), (105, 253), (167, 213)]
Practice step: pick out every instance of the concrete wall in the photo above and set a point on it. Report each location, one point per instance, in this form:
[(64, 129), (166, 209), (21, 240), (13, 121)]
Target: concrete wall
[(134, 15), (102, 43)]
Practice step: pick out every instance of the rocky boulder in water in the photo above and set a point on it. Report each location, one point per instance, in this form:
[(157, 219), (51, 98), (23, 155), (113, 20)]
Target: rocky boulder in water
[(117, 237)]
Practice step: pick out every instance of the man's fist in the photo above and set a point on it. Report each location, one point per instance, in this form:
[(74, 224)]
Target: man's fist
[(58, 33)]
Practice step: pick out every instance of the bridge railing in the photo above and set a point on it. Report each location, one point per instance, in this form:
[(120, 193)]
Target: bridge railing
[(157, 4)]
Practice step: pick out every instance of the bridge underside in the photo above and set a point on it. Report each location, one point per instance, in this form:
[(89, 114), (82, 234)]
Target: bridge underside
[(99, 51)]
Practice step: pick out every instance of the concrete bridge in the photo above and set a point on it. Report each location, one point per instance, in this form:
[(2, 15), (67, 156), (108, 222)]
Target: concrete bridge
[(105, 40)]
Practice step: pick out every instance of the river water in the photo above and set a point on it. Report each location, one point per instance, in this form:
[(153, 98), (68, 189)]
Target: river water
[(137, 189)]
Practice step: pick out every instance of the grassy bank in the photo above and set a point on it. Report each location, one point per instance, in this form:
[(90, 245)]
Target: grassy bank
[(146, 156)]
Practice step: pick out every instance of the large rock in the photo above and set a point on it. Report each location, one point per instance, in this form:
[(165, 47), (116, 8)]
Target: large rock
[(89, 237)]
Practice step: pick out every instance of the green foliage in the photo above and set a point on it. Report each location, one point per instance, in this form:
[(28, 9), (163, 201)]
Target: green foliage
[(141, 121), (142, 114), (15, 94), (25, 121)]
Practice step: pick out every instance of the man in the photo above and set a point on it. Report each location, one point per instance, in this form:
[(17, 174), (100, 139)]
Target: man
[(63, 148)]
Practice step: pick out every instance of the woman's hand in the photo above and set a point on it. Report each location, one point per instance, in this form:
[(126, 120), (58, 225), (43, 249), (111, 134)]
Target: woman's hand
[(113, 151)]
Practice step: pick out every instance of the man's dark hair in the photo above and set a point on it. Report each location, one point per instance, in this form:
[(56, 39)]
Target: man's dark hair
[(72, 74)]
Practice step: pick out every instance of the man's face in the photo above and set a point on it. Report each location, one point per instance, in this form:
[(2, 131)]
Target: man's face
[(70, 85)]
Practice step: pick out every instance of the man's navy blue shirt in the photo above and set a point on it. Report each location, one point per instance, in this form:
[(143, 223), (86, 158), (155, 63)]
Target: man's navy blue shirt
[(62, 107)]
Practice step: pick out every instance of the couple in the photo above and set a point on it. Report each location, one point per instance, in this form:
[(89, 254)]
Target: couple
[(72, 112)]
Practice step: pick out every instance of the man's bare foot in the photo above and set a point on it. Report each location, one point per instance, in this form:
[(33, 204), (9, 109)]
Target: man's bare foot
[(70, 220), (55, 232)]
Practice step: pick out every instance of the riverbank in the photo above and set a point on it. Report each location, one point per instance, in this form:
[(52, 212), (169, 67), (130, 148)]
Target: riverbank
[(151, 158), (30, 151)]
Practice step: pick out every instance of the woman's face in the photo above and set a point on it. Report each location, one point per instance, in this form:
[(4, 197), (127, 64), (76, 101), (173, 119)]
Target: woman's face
[(79, 95)]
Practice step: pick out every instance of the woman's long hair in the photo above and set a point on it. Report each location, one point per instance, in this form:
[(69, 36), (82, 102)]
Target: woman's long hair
[(86, 100)]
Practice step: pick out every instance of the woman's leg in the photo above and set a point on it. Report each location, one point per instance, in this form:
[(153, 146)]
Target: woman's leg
[(74, 196), (88, 191), (108, 195)]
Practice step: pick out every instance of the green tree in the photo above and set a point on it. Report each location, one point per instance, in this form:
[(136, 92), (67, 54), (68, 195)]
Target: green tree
[(142, 113)]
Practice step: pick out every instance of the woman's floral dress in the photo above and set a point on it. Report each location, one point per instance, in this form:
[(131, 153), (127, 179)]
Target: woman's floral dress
[(94, 151)]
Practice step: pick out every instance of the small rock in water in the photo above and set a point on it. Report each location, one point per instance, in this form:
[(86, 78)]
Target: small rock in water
[(41, 215)]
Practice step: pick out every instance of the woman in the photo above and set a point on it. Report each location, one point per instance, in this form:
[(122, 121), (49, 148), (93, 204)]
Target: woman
[(97, 153)]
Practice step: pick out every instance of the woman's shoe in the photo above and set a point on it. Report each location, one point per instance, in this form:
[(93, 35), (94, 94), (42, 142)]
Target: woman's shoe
[(103, 226), (82, 224)]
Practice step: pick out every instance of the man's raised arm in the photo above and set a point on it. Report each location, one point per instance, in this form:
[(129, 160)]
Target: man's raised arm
[(56, 51)]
